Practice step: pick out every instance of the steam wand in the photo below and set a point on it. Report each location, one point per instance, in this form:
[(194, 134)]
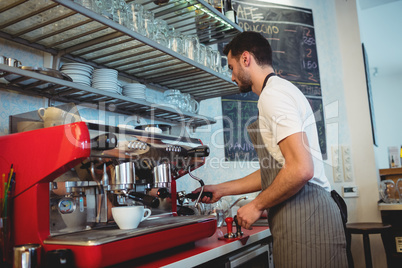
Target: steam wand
[(202, 185), (101, 193)]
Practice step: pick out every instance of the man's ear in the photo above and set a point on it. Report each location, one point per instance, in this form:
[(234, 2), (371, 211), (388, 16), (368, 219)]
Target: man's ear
[(246, 58)]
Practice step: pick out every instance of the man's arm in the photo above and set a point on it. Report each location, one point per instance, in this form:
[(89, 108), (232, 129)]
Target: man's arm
[(248, 184), (296, 172)]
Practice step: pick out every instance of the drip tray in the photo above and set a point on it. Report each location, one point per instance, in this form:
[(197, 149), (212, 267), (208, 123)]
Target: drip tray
[(112, 233)]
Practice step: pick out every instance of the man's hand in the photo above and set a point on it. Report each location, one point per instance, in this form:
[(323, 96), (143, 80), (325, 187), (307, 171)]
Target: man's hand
[(214, 189), (248, 214)]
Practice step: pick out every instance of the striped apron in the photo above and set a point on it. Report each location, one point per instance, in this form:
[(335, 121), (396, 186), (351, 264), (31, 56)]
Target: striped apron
[(307, 229)]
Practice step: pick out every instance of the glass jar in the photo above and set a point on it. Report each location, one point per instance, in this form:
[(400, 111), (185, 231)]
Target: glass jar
[(202, 54), (148, 23), (134, 17), (172, 97), (175, 40), (120, 12), (191, 46), (161, 32), (190, 104), (216, 61)]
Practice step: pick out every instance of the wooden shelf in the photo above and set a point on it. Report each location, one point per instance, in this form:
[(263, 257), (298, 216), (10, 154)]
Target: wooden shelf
[(390, 171), (391, 174)]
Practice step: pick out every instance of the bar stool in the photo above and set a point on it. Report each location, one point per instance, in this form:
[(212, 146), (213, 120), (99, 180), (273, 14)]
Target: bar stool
[(367, 228)]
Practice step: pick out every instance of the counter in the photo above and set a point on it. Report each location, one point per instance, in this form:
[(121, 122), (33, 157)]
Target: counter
[(201, 251), (389, 206), (392, 214)]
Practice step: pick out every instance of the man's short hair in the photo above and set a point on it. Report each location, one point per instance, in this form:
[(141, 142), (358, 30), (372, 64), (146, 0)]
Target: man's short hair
[(252, 42)]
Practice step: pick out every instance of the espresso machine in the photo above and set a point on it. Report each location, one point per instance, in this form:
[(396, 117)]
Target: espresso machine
[(69, 176)]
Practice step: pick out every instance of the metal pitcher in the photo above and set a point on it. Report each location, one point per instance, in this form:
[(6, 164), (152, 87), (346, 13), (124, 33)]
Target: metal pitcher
[(26, 256)]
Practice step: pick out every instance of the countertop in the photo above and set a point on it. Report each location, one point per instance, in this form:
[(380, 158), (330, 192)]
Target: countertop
[(201, 251)]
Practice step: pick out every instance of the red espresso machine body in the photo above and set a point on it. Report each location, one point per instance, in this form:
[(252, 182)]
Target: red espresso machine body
[(40, 156)]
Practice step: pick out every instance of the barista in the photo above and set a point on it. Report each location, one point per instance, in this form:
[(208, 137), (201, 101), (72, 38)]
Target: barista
[(304, 220)]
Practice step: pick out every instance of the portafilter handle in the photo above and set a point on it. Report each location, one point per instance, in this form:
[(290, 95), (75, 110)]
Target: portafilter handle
[(200, 151), (195, 196), (145, 199)]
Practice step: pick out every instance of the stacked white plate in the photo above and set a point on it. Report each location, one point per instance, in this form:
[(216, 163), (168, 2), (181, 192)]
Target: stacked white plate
[(134, 90), (106, 79), (79, 72)]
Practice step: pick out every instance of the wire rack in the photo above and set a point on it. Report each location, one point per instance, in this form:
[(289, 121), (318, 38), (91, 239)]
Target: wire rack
[(66, 29)]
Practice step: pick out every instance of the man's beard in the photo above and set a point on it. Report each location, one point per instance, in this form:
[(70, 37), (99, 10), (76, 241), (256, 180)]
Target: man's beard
[(245, 89), (244, 82)]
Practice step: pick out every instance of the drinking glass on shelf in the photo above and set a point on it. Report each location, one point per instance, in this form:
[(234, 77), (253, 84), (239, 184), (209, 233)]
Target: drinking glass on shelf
[(202, 54), (89, 4), (172, 97), (186, 99), (208, 57), (388, 191), (134, 17), (161, 32), (224, 66), (194, 106), (216, 60), (191, 46), (120, 12), (184, 103), (175, 40), (106, 8), (148, 23), (399, 189)]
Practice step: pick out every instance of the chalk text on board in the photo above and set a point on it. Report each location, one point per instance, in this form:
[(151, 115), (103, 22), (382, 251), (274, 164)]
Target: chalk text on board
[(259, 28), (248, 13)]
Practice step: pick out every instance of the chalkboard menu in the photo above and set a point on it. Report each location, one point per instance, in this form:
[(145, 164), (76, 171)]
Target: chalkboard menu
[(290, 31)]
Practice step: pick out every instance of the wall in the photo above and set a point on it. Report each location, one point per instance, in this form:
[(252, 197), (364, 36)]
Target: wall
[(345, 107), (12, 103), (363, 208), (382, 41), (346, 114), (387, 96)]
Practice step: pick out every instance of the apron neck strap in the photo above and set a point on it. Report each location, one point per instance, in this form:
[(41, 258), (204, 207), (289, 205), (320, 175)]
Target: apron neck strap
[(266, 80)]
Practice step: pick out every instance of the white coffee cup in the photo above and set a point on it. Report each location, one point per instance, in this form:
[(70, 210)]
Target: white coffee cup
[(129, 217), (53, 116)]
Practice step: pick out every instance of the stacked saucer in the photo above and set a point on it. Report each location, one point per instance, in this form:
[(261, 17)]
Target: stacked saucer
[(134, 90), (106, 79), (79, 72)]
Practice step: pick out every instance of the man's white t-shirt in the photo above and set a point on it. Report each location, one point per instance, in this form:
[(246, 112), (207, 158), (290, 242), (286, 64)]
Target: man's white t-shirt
[(283, 111)]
